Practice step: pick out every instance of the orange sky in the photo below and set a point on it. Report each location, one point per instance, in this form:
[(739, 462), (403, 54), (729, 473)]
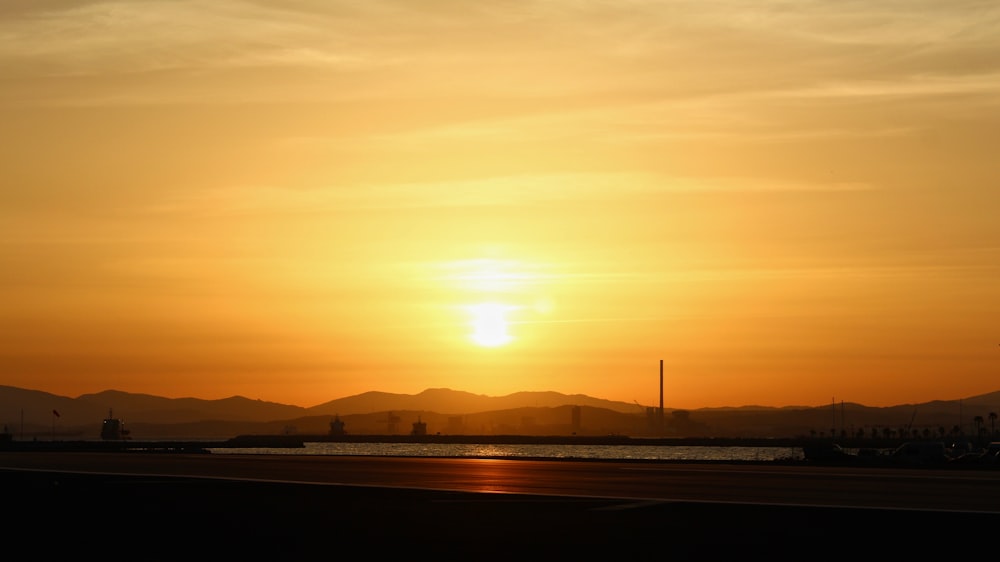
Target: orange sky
[(788, 203)]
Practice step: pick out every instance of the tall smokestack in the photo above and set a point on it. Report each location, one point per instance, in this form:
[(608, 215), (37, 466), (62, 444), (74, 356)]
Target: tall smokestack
[(659, 413)]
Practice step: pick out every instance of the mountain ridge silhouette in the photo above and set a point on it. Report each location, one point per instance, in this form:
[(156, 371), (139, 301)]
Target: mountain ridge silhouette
[(35, 412)]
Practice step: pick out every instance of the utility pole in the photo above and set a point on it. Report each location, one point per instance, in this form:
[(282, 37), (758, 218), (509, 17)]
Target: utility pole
[(960, 420), (833, 408), (843, 422)]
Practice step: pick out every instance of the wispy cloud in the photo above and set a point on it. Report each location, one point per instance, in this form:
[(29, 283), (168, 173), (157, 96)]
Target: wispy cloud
[(516, 190)]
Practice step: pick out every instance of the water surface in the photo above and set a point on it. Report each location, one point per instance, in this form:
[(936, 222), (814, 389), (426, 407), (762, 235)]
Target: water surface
[(610, 452)]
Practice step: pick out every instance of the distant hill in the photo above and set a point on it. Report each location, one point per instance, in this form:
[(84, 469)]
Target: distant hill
[(447, 401), (37, 406), (32, 414)]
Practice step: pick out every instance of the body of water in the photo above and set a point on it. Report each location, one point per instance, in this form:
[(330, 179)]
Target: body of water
[(609, 452)]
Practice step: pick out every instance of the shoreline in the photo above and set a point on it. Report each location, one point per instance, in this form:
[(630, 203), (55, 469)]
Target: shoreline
[(299, 441)]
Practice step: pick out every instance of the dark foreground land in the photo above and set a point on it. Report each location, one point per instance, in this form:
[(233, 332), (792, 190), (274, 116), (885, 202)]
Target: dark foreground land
[(49, 515)]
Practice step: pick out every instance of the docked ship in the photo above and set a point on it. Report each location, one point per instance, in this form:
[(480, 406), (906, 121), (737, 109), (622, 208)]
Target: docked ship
[(113, 429)]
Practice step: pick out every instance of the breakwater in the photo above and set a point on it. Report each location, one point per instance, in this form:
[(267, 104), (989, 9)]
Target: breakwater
[(603, 440), (172, 446), (298, 441)]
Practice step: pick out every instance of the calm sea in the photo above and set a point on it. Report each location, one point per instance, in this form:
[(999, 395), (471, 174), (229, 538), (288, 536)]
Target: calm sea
[(610, 452)]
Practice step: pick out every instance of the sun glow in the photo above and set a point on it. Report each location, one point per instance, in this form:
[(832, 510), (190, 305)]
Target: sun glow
[(497, 298), (489, 275), (489, 324)]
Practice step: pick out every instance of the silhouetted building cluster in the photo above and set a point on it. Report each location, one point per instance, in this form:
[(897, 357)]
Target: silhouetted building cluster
[(419, 427), (337, 426)]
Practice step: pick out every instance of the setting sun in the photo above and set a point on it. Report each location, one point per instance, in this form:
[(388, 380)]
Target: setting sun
[(489, 324), (490, 289)]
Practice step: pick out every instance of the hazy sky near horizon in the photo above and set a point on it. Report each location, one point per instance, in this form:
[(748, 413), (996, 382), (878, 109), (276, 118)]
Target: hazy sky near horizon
[(786, 202)]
